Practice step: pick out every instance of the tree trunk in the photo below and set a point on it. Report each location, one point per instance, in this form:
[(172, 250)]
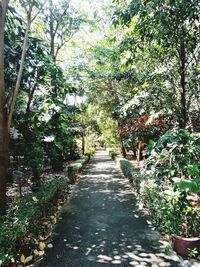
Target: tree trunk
[(83, 145), (52, 31), (4, 134), (123, 150), (20, 72), (36, 177), (184, 118), (4, 156), (140, 150)]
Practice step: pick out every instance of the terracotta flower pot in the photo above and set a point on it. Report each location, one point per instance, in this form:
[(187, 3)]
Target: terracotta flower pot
[(182, 244)]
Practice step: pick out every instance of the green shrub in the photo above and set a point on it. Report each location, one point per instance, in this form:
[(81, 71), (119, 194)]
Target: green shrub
[(130, 172), (75, 168), (24, 216), (171, 212), (113, 154), (176, 154), (90, 152), (172, 173)]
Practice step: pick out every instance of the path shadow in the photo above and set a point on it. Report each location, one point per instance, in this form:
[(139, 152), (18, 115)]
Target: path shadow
[(102, 225)]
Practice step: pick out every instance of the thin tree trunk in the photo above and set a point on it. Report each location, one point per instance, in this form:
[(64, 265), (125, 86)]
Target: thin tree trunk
[(83, 145), (4, 156), (184, 118), (52, 31), (19, 76), (6, 113), (123, 150), (140, 150), (4, 135)]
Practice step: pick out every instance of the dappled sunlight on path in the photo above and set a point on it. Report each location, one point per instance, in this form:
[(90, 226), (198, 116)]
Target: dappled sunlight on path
[(101, 225)]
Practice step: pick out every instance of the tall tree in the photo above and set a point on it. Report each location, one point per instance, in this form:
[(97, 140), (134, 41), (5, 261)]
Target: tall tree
[(32, 9), (171, 30), (62, 23), (4, 135)]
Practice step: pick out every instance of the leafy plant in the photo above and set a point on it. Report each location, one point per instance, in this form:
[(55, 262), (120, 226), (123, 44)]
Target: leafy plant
[(130, 172), (24, 217), (192, 253), (113, 154), (192, 186), (173, 168), (174, 155)]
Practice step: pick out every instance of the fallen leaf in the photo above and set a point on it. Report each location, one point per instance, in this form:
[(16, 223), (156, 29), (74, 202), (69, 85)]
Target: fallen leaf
[(36, 241), (45, 223), (29, 258), (42, 245), (36, 252), (35, 199), (22, 258), (41, 253), (54, 221), (41, 238)]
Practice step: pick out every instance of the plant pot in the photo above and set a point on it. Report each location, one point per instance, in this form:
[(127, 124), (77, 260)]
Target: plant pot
[(183, 244)]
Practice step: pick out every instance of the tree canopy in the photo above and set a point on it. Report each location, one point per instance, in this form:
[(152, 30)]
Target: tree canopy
[(76, 75)]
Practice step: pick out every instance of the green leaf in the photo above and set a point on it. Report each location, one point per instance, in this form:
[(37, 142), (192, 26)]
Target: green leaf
[(192, 186), (59, 145)]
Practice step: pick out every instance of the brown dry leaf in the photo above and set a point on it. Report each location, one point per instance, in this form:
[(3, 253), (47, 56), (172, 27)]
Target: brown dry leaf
[(42, 246), (166, 237), (41, 253), (54, 221), (42, 238), (36, 252), (36, 241), (22, 258), (45, 223)]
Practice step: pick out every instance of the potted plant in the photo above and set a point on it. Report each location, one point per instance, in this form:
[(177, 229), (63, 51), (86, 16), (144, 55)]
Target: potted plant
[(187, 241)]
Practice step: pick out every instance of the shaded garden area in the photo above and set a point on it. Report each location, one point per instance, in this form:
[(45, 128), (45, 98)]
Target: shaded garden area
[(81, 76)]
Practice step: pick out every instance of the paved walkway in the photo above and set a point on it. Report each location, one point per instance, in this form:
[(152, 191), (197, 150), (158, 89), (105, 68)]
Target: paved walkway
[(101, 225)]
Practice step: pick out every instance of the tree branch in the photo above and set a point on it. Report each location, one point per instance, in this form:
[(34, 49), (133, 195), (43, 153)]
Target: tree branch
[(3, 10), (40, 9)]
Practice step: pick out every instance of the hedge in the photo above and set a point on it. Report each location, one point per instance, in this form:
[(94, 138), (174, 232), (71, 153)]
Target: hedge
[(130, 172), (25, 215)]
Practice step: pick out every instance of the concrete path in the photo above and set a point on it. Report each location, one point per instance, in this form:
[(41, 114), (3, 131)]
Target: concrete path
[(102, 226)]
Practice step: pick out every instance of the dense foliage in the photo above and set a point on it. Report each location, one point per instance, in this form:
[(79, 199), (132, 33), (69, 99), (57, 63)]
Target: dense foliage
[(169, 182), (124, 76)]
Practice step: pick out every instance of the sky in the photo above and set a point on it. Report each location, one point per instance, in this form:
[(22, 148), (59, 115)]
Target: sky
[(88, 36), (88, 6)]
